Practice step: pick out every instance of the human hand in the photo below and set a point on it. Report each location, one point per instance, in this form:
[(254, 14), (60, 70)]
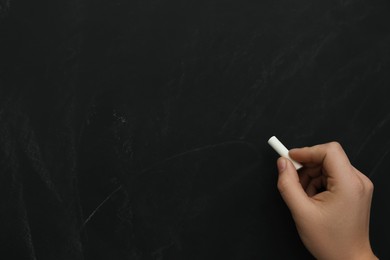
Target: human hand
[(329, 200)]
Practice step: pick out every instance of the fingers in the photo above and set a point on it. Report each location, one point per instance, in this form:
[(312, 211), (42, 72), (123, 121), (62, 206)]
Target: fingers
[(290, 187), (330, 156)]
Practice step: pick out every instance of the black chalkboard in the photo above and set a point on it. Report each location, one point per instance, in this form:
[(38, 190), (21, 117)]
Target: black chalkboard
[(138, 129)]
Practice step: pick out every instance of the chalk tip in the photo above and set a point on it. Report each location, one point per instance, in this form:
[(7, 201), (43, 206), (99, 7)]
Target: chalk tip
[(272, 138)]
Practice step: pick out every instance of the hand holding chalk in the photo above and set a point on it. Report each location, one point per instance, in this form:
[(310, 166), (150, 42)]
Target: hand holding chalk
[(282, 151), (329, 200)]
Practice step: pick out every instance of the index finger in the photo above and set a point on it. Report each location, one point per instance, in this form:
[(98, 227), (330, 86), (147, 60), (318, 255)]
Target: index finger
[(330, 156)]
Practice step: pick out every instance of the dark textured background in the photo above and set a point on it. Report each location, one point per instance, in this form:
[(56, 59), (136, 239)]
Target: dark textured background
[(138, 129)]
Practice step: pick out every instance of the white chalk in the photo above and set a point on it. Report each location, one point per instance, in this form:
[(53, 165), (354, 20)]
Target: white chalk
[(282, 151)]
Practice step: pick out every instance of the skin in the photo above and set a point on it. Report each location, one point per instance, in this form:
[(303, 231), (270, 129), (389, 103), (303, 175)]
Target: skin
[(329, 200)]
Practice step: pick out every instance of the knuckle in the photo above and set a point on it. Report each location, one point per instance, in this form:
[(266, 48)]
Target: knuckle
[(358, 186), (369, 185), (336, 146)]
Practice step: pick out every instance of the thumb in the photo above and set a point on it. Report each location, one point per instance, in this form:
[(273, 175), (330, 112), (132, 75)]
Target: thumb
[(289, 186)]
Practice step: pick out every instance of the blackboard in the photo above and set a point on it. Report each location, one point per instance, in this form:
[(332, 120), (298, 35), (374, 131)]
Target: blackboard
[(138, 129)]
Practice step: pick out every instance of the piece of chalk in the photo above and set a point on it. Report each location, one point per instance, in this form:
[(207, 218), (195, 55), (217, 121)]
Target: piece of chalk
[(282, 151)]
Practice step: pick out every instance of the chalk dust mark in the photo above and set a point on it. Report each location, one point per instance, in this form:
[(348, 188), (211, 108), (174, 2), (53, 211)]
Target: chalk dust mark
[(373, 133), (198, 149), (161, 162), (100, 205), (376, 167)]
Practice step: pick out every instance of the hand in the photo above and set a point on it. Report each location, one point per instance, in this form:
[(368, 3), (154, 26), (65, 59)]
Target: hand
[(329, 201)]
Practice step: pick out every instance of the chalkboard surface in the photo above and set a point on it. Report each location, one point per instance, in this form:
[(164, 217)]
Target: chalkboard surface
[(138, 129)]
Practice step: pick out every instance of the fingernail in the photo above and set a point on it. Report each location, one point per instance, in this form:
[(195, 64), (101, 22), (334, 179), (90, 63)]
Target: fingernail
[(281, 164)]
